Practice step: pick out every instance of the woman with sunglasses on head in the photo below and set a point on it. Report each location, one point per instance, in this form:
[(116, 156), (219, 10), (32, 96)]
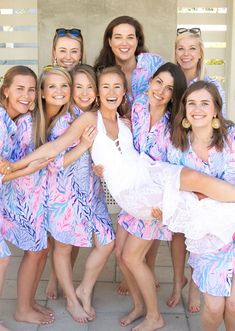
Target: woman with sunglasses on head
[(189, 55), (67, 47), (203, 140), (67, 51), (77, 213), (23, 198), (124, 45), (137, 183)]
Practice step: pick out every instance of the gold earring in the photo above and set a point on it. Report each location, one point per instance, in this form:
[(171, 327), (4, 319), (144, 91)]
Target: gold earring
[(32, 106), (185, 123), (215, 123), (54, 62)]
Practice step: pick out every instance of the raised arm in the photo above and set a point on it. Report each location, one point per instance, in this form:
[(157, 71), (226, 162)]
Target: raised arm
[(52, 148), (87, 139)]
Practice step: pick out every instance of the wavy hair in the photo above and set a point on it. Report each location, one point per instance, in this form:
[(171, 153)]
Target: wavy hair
[(106, 57)]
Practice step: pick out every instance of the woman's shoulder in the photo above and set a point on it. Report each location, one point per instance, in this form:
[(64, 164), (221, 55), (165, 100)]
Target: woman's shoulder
[(149, 58), (88, 118)]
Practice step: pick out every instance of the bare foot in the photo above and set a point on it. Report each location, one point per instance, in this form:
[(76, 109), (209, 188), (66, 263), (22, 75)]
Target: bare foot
[(3, 327), (77, 313), (85, 299), (123, 287), (157, 284), (175, 297), (150, 324), (43, 309), (132, 316), (33, 316), (52, 289), (194, 300)]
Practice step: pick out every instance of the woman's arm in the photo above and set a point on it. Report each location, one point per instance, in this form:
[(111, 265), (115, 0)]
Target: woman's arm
[(31, 168), (52, 148), (86, 142)]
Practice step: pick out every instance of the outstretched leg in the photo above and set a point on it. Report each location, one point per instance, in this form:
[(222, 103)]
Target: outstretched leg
[(134, 253), (229, 316), (178, 253), (3, 267), (63, 268), (150, 260), (138, 309), (213, 312), (217, 189), (27, 277), (94, 265)]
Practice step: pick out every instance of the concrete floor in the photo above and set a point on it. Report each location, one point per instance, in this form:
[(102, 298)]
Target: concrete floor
[(109, 305)]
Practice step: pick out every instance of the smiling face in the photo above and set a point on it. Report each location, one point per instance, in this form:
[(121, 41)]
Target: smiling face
[(20, 95), (111, 91), (161, 89), (188, 53), (67, 52), (84, 92), (56, 91), (123, 42), (200, 109)]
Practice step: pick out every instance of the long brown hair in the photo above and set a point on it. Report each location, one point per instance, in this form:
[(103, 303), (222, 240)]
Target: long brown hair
[(106, 57), (180, 134)]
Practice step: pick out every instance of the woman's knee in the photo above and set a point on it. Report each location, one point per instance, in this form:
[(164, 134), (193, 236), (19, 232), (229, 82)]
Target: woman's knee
[(230, 305), (4, 262), (62, 249), (215, 308)]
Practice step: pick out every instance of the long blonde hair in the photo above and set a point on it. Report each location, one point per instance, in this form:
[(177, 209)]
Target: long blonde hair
[(200, 65), (41, 127)]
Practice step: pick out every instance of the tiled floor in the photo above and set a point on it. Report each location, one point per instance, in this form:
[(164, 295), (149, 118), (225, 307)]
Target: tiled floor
[(109, 305)]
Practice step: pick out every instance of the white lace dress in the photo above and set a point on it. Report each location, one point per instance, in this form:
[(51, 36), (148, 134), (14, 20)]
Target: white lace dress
[(138, 184)]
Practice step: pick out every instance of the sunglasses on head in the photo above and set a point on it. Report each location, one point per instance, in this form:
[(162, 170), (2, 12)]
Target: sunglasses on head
[(61, 32), (50, 67), (191, 30)]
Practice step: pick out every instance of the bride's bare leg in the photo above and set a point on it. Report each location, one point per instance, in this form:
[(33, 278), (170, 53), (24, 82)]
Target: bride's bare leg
[(193, 181)]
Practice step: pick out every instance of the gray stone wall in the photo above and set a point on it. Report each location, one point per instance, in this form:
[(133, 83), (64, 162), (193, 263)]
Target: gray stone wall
[(158, 17)]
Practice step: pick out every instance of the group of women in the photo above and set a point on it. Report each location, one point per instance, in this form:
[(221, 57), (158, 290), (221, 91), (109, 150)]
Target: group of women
[(147, 132)]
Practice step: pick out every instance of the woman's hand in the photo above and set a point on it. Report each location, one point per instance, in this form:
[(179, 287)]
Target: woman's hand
[(157, 213), (37, 165), (5, 167), (88, 136), (200, 195), (98, 170)]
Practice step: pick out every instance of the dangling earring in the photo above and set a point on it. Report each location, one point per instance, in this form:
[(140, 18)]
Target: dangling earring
[(32, 106), (54, 62), (215, 123), (185, 123)]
